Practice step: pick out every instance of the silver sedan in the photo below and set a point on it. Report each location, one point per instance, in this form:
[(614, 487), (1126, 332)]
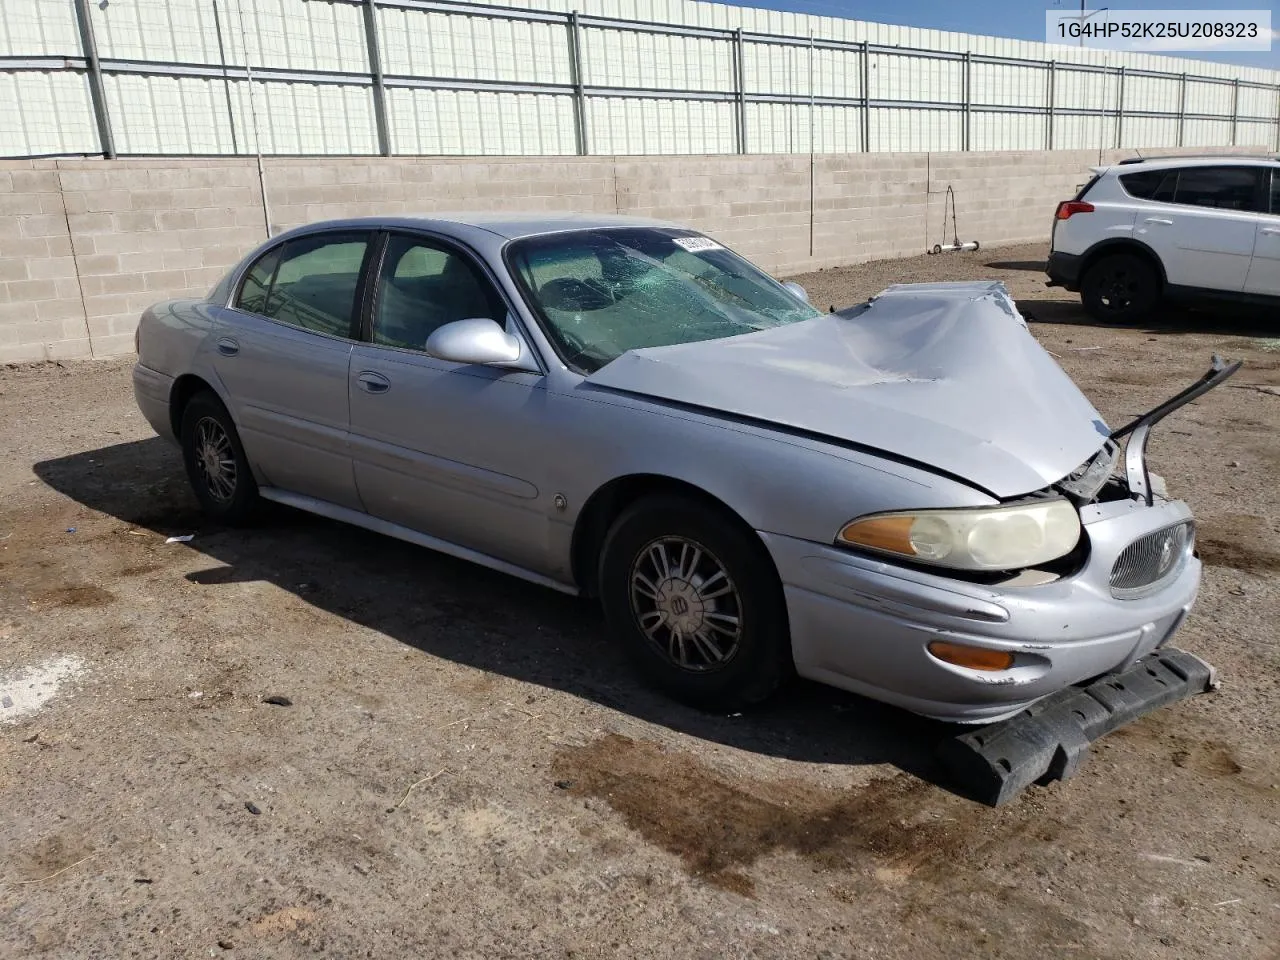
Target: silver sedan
[(908, 499)]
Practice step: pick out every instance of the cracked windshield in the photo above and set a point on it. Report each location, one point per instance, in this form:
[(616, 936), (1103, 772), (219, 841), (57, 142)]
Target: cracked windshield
[(604, 292)]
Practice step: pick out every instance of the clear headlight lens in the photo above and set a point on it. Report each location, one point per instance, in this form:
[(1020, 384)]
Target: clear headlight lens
[(992, 538)]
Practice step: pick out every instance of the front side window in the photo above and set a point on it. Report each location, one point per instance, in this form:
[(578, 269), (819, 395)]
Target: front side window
[(1225, 188), (1275, 191), (310, 283), (603, 292), (421, 287)]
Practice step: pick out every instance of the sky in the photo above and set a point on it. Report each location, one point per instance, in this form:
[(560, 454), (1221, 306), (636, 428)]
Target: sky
[(1019, 19)]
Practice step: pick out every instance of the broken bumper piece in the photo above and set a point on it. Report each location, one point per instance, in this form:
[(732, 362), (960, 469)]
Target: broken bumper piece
[(1049, 739)]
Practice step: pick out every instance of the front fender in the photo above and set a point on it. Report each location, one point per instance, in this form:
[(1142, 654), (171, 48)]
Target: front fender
[(776, 482)]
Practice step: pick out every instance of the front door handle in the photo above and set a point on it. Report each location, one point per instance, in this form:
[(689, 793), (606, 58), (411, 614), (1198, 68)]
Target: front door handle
[(1167, 223), (371, 382), (228, 347)]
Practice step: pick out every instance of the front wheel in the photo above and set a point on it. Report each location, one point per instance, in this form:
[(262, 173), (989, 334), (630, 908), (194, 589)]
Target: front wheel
[(1121, 288), (694, 597), (215, 461)]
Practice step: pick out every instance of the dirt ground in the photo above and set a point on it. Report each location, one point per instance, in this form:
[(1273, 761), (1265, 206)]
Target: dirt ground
[(467, 769)]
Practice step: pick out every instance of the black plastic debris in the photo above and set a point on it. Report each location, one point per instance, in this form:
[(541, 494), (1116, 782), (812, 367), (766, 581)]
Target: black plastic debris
[(277, 700), (252, 807), (1050, 739)]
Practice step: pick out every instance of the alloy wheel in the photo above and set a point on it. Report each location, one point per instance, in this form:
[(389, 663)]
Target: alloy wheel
[(215, 459), (686, 604)]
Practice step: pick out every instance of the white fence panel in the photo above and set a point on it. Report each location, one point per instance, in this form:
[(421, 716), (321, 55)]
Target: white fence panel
[(896, 130), (46, 113), (430, 44), (656, 61), (784, 128), (1007, 131), (631, 126), (169, 114), (466, 123), (38, 28)]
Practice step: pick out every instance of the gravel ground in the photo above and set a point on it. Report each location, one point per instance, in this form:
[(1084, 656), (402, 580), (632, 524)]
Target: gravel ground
[(467, 769)]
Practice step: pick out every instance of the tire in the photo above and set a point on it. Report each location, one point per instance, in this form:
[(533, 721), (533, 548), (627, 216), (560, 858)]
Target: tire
[(209, 436), (1120, 288), (731, 577)]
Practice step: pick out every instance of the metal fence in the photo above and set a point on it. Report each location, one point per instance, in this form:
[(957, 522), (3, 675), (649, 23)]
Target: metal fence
[(426, 77)]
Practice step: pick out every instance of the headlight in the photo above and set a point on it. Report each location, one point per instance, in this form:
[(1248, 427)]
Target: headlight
[(992, 538)]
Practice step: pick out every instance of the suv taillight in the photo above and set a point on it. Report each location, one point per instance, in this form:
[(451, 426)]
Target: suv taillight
[(1068, 208)]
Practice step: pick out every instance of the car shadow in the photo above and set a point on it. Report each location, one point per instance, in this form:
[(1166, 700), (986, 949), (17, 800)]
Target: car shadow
[(1236, 320), (1031, 266), (461, 612)]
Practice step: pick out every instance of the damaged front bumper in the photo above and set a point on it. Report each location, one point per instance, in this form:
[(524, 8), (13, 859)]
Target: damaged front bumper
[(1049, 740), (1099, 634), (864, 625)]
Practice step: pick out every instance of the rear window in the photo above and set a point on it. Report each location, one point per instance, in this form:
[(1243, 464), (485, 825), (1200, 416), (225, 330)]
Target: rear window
[(1142, 185)]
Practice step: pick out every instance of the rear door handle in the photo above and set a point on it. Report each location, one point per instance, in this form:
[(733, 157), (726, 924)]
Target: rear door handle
[(1167, 223), (228, 347), (1271, 231), (371, 382)]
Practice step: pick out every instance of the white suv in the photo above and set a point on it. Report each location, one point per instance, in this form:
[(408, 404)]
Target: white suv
[(1176, 227)]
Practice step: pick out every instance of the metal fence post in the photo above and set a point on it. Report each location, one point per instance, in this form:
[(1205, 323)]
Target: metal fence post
[(1051, 97), (866, 97), (575, 77), (375, 69), (1182, 108), (1235, 108), (1120, 110), (97, 93), (968, 99), (740, 90)]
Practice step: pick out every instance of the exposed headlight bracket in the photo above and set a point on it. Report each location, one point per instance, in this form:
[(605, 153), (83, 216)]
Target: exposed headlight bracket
[(1139, 430)]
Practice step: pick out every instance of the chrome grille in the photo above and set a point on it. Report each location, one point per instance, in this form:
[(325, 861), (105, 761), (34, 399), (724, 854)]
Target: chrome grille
[(1151, 560)]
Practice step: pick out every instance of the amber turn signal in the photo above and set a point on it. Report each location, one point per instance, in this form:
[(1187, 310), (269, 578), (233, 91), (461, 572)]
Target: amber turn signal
[(975, 658)]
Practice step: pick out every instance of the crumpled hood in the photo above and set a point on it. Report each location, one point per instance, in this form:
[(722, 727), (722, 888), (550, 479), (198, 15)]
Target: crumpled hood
[(944, 374)]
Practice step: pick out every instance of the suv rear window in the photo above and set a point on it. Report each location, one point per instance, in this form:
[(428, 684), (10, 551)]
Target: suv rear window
[(1142, 185)]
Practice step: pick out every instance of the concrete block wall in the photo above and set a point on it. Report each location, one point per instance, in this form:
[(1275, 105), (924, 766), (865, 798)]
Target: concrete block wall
[(41, 311), (87, 245)]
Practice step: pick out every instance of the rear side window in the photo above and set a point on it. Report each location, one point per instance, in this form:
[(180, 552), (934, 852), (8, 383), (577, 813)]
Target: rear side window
[(1275, 192), (311, 283), (1224, 188), (1142, 185)]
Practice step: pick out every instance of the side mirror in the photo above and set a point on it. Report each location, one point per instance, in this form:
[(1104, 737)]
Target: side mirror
[(797, 291), (476, 340)]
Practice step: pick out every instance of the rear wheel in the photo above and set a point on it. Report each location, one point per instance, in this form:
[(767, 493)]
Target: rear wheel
[(1120, 288), (694, 597), (215, 461)]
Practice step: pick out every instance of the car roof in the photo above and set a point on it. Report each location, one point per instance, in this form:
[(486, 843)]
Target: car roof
[(1216, 160), (511, 226)]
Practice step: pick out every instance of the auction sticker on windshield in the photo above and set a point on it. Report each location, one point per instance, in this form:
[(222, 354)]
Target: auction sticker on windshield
[(697, 244)]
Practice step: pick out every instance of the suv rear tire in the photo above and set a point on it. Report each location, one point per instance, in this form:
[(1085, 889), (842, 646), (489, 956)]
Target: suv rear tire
[(1120, 288)]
